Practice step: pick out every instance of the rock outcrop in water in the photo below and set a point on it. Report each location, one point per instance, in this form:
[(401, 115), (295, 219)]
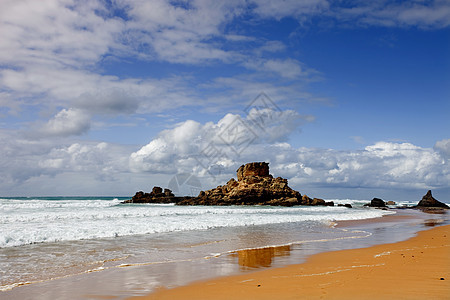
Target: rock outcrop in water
[(376, 202), (157, 195), (255, 186), (428, 201)]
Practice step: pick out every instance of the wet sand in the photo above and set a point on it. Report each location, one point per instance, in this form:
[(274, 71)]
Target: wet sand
[(418, 268), (136, 280)]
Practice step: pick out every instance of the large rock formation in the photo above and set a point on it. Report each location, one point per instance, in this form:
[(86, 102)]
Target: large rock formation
[(428, 201), (255, 186)]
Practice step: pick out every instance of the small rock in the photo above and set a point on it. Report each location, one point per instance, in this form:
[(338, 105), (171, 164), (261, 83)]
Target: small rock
[(346, 205), (317, 201)]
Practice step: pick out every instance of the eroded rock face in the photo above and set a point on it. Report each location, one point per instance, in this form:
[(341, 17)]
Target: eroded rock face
[(255, 186), (429, 201), (260, 169)]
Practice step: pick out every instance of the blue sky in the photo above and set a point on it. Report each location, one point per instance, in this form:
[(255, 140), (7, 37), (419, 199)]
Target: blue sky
[(111, 97)]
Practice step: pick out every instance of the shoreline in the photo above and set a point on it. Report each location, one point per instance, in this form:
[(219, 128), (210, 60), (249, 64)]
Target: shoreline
[(128, 280), (396, 217), (416, 268)]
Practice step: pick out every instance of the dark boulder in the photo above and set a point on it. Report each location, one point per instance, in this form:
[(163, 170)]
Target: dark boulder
[(376, 202), (156, 191), (346, 205)]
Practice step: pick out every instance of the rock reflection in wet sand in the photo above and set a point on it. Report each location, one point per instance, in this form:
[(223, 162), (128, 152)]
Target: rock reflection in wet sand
[(260, 257), (432, 222)]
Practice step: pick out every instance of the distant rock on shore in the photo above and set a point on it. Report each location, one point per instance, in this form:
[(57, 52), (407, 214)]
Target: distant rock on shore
[(428, 202), (255, 186), (157, 195)]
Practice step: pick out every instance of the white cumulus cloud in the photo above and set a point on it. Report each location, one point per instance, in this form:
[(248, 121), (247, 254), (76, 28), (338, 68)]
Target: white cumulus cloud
[(219, 148), (67, 122), (191, 143), (443, 146)]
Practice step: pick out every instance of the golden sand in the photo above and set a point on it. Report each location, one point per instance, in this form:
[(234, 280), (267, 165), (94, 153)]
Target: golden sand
[(418, 268)]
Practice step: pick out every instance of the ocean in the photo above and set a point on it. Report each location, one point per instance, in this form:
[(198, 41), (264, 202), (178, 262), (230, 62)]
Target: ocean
[(138, 247)]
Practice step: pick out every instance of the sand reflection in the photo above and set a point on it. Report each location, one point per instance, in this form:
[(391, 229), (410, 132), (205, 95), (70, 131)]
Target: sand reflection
[(261, 257)]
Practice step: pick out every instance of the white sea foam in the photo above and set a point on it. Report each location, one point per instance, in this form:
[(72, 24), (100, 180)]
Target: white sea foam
[(28, 221), (360, 203)]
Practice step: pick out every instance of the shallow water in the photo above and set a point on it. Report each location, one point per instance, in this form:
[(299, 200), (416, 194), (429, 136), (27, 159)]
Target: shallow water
[(168, 245)]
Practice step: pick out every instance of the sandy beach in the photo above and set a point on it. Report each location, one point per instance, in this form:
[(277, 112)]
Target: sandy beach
[(418, 268), (258, 262)]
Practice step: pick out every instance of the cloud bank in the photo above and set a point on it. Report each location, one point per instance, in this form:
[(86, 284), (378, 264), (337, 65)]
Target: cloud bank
[(213, 152), (197, 148)]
